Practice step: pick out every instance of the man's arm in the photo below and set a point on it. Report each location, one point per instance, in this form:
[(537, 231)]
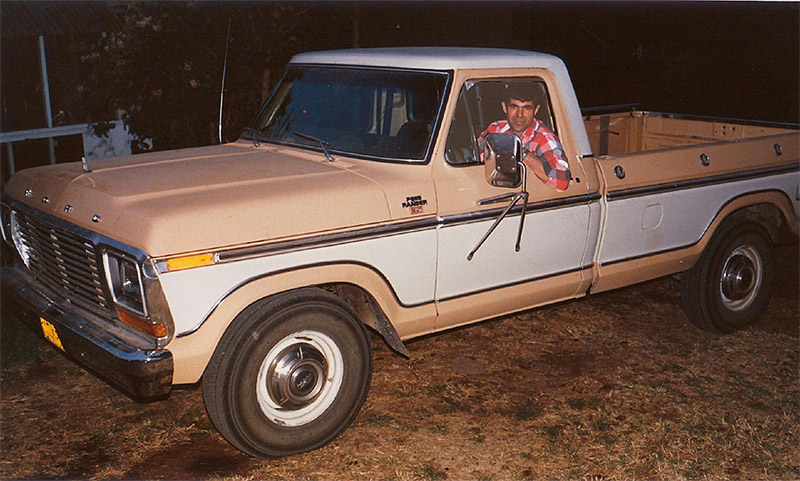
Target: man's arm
[(552, 168), (537, 169)]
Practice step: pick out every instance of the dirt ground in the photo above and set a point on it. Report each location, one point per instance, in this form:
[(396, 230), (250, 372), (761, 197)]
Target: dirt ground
[(616, 386)]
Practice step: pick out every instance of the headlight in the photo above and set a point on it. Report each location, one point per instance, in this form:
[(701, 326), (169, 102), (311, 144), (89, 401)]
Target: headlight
[(125, 280), (19, 243), (124, 275)]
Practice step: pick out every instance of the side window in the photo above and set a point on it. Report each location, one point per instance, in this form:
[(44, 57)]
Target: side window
[(462, 145), (480, 103)]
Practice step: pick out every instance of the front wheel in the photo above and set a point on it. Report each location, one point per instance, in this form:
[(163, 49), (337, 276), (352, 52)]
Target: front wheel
[(289, 375), (729, 287)]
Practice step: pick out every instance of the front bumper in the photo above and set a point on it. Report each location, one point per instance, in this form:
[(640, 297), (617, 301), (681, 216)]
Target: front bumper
[(96, 344)]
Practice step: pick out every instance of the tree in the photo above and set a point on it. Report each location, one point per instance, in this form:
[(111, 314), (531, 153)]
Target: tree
[(162, 73)]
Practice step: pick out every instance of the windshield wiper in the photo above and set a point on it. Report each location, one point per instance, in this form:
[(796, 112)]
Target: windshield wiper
[(321, 143), (255, 133)]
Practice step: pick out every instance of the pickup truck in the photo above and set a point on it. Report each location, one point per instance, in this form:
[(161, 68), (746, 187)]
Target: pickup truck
[(367, 196)]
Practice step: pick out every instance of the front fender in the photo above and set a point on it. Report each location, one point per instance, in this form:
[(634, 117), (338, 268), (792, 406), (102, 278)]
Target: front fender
[(192, 351)]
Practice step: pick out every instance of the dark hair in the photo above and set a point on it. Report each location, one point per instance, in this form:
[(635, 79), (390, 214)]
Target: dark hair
[(521, 92)]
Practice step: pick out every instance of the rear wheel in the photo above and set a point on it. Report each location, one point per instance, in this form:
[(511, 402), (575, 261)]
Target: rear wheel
[(289, 375), (729, 287)]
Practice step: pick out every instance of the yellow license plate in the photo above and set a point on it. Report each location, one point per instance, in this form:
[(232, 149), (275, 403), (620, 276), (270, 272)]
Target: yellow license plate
[(49, 331)]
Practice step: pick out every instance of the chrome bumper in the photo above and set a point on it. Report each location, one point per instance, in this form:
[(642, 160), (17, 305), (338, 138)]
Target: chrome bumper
[(92, 342)]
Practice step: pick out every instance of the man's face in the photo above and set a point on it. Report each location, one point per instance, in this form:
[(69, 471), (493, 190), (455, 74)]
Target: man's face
[(519, 114)]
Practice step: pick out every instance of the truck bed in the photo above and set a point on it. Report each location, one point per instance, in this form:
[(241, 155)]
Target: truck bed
[(638, 131)]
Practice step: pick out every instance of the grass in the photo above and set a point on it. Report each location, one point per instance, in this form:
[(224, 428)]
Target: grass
[(616, 386), (431, 472), (477, 436), (20, 346), (527, 410)]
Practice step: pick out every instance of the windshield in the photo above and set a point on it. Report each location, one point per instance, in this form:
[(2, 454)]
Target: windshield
[(384, 114)]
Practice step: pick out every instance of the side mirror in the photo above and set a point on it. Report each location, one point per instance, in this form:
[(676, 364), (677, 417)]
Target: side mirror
[(502, 158)]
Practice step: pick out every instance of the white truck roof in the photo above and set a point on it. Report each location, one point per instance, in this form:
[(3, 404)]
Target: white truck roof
[(434, 58), (455, 58)]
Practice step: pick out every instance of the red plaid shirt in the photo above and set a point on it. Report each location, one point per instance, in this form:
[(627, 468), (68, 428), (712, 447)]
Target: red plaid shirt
[(544, 144)]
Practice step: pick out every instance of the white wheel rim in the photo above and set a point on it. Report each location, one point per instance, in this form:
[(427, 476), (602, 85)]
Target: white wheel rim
[(741, 278), (299, 378)]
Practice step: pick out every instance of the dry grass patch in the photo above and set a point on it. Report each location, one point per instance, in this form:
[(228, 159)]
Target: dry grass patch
[(617, 386)]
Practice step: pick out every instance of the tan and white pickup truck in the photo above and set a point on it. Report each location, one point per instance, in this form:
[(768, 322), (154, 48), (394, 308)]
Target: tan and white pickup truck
[(364, 195)]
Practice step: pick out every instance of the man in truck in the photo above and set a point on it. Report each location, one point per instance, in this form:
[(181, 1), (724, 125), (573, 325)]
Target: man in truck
[(520, 109)]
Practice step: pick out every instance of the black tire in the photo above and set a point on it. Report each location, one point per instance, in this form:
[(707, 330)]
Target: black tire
[(731, 284), (289, 374)]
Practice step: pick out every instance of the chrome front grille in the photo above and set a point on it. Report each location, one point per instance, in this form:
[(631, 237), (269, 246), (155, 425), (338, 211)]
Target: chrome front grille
[(65, 263)]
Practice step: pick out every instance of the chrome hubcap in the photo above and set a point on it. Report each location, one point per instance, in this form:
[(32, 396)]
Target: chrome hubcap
[(741, 278), (296, 376), (299, 378)]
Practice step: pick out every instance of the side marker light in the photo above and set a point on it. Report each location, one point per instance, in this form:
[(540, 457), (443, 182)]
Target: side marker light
[(178, 263)]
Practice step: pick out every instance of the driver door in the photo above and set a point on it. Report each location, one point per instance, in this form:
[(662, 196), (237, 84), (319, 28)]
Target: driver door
[(552, 263)]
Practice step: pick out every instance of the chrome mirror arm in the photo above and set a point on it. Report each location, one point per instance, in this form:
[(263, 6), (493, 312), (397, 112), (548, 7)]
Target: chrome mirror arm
[(498, 198), (522, 195)]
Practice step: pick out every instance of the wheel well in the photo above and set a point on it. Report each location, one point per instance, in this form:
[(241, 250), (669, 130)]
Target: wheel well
[(369, 311), (771, 218)]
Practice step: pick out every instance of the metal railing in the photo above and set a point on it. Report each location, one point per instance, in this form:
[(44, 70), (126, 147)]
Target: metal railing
[(8, 138)]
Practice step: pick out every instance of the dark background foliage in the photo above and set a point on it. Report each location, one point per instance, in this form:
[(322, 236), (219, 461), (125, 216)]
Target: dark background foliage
[(162, 70)]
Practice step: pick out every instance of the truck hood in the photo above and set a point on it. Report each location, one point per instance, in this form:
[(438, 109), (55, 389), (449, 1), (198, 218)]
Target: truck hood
[(202, 198)]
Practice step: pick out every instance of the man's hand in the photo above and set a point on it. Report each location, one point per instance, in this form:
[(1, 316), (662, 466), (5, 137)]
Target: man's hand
[(534, 165)]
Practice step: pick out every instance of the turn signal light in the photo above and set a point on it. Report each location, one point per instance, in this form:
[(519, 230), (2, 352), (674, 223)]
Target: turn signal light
[(155, 330), (178, 263)]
